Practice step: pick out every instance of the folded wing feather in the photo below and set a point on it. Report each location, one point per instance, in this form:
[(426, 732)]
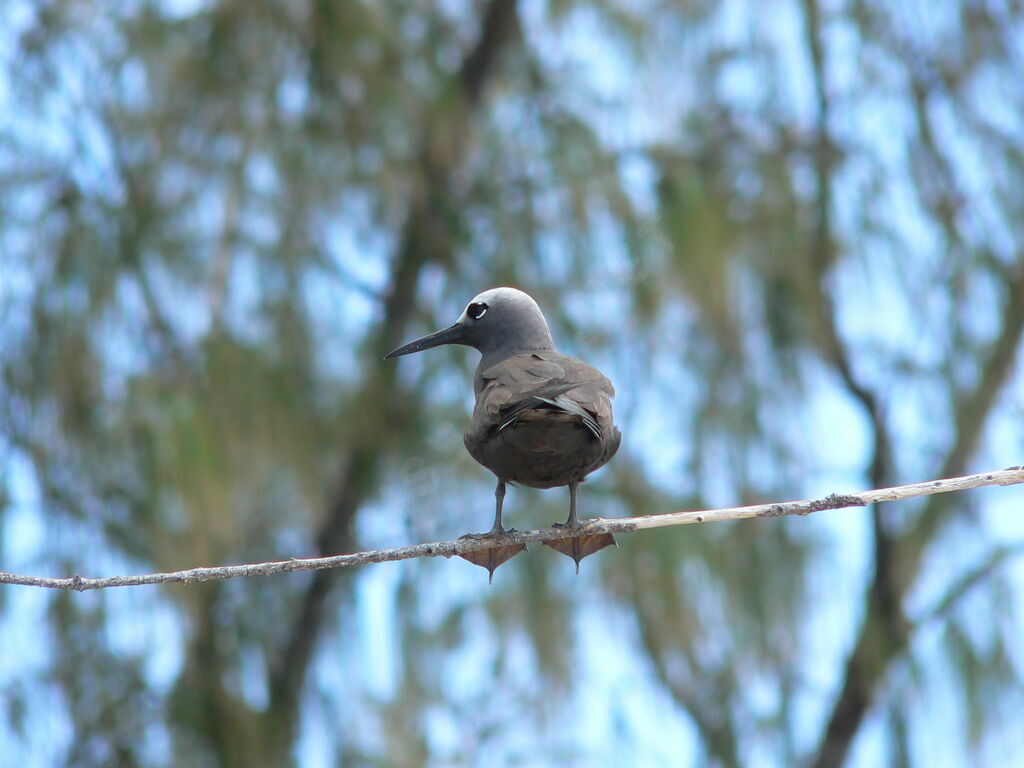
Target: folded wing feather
[(537, 381)]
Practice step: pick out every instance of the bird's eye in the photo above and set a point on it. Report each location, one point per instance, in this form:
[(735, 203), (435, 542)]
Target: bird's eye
[(476, 311)]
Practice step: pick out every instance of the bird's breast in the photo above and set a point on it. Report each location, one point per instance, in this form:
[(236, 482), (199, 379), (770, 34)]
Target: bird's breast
[(540, 448)]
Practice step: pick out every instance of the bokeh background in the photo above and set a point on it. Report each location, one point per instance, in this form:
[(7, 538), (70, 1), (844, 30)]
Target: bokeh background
[(790, 231)]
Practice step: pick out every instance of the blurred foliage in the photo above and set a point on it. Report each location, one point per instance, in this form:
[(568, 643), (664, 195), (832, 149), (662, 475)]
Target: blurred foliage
[(791, 234)]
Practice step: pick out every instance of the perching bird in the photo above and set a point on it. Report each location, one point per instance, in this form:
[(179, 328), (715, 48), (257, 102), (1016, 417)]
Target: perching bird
[(541, 419)]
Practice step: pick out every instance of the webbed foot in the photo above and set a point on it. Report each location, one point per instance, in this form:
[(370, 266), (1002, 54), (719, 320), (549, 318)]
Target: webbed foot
[(580, 545), (492, 557)]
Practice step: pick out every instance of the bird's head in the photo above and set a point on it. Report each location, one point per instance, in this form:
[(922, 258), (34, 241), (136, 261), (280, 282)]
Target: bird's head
[(499, 322)]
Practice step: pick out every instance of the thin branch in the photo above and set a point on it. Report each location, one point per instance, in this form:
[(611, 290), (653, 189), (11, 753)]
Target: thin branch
[(1009, 476)]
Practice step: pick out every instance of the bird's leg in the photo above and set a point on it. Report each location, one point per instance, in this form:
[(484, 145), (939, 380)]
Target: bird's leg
[(497, 529), (573, 521), (494, 556), (580, 545), (499, 499)]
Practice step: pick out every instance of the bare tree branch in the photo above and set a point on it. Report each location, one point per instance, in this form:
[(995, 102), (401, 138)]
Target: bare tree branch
[(1009, 476)]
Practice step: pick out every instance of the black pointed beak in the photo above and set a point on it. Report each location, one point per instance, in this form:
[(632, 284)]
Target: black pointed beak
[(454, 334)]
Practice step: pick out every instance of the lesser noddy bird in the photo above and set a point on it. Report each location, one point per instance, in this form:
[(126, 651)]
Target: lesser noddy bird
[(541, 419)]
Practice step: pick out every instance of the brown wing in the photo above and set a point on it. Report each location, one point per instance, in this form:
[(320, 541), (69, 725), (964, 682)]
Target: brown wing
[(542, 380)]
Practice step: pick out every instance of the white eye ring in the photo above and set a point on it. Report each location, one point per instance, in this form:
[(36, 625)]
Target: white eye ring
[(476, 310)]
